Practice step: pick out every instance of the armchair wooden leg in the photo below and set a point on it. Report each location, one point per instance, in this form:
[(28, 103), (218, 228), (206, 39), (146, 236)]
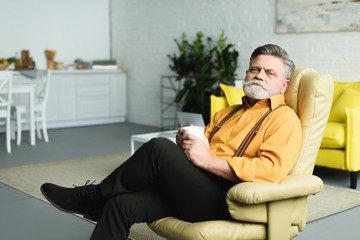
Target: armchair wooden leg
[(353, 179)]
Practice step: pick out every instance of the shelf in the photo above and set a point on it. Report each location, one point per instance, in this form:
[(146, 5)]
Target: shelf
[(170, 87)]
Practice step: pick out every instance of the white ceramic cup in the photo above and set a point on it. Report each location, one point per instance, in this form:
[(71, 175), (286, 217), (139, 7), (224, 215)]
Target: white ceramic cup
[(194, 130)]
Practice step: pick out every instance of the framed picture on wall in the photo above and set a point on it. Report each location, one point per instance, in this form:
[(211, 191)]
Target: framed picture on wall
[(317, 16)]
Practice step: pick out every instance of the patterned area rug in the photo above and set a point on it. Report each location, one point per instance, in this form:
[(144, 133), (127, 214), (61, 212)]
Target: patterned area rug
[(29, 178)]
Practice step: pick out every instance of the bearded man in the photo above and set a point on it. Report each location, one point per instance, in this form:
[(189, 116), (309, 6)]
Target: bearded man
[(190, 179)]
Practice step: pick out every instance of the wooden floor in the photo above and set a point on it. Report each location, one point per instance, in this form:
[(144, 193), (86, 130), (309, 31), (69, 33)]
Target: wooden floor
[(24, 217)]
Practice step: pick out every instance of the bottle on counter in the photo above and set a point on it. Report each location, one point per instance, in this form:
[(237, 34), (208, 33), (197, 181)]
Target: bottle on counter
[(17, 62)]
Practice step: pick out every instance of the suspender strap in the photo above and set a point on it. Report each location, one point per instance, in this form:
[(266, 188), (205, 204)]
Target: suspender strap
[(245, 143), (227, 117)]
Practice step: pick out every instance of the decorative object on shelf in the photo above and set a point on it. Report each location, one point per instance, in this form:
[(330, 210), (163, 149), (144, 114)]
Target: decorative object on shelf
[(81, 64), (27, 62), (59, 65), (5, 63), (17, 63), (3, 66), (70, 66), (50, 55), (203, 64), (25, 59)]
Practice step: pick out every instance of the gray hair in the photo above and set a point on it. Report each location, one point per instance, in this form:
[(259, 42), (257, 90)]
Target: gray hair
[(276, 51)]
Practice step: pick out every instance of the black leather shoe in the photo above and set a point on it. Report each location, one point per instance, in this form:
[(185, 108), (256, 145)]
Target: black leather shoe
[(73, 200)]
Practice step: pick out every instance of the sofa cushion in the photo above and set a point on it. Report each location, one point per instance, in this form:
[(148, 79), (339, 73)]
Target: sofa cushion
[(334, 135), (340, 86), (348, 98), (233, 95)]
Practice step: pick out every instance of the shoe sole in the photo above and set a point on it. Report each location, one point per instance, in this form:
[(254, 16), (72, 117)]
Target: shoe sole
[(67, 211)]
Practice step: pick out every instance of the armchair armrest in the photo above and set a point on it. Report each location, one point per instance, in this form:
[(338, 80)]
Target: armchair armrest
[(259, 192), (352, 130)]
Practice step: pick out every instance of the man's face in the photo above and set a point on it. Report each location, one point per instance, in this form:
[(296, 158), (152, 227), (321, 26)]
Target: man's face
[(265, 77)]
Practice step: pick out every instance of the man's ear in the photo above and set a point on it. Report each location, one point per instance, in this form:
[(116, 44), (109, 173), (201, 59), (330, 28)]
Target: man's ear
[(285, 85)]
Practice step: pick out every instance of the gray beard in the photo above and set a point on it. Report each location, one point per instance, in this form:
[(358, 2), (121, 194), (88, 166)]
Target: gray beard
[(256, 92)]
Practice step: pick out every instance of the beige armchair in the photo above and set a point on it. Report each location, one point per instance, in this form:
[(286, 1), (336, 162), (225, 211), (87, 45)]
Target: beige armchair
[(268, 210)]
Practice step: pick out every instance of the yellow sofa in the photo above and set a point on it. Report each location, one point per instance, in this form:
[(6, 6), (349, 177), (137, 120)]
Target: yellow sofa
[(267, 210), (339, 147)]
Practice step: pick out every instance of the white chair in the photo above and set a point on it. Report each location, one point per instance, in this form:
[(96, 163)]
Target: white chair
[(19, 112), (5, 104)]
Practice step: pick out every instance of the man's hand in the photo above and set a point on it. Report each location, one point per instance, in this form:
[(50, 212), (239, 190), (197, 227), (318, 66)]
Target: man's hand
[(197, 150), (179, 135)]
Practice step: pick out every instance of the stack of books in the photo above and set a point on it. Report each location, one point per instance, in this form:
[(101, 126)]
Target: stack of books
[(104, 65)]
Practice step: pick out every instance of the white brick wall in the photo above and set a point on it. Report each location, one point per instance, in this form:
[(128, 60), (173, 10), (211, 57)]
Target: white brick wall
[(143, 33)]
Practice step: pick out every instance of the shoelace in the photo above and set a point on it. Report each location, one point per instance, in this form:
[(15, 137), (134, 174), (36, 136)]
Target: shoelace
[(83, 190)]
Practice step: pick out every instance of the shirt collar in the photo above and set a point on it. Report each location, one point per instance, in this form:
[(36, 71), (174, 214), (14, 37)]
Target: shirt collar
[(272, 102)]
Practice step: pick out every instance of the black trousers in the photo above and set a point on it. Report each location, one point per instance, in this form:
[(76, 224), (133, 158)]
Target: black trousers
[(159, 181)]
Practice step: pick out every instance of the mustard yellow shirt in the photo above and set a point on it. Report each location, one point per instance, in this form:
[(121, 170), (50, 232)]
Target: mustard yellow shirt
[(273, 151)]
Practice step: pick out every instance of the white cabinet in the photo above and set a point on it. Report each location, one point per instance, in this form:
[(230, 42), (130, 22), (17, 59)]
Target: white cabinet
[(82, 97), (93, 96), (62, 98), (85, 97), (118, 93)]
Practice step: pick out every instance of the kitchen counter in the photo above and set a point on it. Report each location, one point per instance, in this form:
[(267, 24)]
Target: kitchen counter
[(82, 97)]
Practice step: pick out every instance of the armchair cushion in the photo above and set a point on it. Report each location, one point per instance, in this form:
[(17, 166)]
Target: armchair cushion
[(172, 228), (292, 186), (334, 135), (348, 98), (250, 201)]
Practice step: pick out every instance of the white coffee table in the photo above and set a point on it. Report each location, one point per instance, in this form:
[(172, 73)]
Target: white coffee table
[(142, 138)]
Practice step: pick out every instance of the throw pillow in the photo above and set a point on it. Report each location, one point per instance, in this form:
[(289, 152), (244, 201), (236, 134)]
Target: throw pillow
[(233, 94), (340, 86), (217, 104), (349, 98)]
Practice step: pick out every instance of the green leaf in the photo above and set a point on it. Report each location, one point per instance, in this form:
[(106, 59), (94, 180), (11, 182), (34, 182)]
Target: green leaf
[(180, 95)]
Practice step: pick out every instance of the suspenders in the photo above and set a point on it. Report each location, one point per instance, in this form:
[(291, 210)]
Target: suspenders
[(245, 143), (227, 117)]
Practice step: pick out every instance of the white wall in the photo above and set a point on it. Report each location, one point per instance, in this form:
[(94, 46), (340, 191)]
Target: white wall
[(143, 33), (74, 28)]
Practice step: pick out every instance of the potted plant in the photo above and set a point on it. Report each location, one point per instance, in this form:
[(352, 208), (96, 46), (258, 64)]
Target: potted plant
[(202, 64)]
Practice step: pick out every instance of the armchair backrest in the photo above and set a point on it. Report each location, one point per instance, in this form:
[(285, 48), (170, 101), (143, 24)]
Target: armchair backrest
[(310, 95)]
